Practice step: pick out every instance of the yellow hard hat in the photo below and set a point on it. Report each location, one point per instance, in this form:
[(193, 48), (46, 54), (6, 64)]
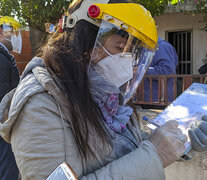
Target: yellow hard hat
[(10, 33), (9, 21), (133, 18)]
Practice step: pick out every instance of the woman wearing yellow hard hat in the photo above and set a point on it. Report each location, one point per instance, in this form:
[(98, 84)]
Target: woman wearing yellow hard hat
[(71, 103), (10, 33)]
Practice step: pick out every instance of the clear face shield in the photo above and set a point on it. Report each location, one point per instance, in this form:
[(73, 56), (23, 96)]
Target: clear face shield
[(10, 38), (120, 58)]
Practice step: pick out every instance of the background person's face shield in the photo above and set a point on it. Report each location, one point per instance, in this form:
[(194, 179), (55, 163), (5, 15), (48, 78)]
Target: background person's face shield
[(120, 58), (11, 38)]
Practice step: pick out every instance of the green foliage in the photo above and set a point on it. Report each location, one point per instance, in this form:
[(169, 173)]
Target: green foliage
[(156, 7), (6, 8), (34, 13), (174, 1), (201, 8)]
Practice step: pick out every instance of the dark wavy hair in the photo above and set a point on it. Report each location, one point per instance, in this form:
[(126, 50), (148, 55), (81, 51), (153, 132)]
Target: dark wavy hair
[(67, 55)]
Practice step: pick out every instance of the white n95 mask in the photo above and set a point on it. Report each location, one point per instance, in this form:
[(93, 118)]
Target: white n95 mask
[(116, 69)]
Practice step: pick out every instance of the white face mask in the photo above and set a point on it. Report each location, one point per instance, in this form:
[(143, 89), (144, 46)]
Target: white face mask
[(116, 69), (17, 43)]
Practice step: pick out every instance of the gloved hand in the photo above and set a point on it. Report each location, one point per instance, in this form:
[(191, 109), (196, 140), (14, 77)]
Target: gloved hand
[(169, 142), (198, 134)]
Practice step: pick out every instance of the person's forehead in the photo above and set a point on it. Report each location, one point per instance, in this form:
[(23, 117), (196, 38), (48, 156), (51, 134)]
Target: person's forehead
[(116, 38)]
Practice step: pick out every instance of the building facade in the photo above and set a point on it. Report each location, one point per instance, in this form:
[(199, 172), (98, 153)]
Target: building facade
[(184, 31)]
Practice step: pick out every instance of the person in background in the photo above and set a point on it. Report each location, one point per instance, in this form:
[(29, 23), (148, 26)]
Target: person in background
[(9, 73), (164, 62), (72, 102), (203, 69), (9, 79)]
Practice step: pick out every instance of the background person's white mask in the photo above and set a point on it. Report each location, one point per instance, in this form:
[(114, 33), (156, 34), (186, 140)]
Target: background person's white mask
[(116, 69), (16, 41)]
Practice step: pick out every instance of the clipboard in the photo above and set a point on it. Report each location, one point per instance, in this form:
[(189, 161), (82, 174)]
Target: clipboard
[(186, 109)]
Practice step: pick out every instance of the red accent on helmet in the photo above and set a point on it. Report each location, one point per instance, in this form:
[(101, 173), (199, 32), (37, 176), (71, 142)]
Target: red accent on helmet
[(93, 11)]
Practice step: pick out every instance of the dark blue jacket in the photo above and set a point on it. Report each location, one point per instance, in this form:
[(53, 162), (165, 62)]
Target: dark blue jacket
[(164, 62), (9, 74), (9, 78)]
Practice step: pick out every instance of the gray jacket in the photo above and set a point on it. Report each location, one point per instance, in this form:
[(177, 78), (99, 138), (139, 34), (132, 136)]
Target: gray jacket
[(35, 119)]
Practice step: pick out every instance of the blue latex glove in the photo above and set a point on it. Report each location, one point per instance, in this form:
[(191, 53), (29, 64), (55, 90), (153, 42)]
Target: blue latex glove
[(198, 135)]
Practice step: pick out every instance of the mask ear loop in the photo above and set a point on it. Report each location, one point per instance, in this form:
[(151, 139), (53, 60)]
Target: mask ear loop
[(104, 50)]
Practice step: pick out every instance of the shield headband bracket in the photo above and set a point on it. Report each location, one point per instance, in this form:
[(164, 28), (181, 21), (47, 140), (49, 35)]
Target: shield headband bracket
[(81, 13)]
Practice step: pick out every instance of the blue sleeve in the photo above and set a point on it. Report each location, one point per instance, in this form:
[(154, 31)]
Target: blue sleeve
[(164, 61)]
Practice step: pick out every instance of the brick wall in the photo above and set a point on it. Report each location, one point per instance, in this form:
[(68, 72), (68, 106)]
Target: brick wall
[(25, 56)]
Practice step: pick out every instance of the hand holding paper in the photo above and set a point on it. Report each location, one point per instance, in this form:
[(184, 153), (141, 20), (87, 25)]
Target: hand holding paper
[(169, 142), (187, 110)]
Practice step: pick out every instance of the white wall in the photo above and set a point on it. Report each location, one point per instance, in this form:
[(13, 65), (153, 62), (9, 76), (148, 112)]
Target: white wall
[(181, 21)]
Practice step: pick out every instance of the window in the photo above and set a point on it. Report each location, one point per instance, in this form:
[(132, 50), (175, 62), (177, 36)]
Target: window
[(182, 41)]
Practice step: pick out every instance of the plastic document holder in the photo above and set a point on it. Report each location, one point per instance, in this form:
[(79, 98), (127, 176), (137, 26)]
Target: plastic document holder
[(186, 109)]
